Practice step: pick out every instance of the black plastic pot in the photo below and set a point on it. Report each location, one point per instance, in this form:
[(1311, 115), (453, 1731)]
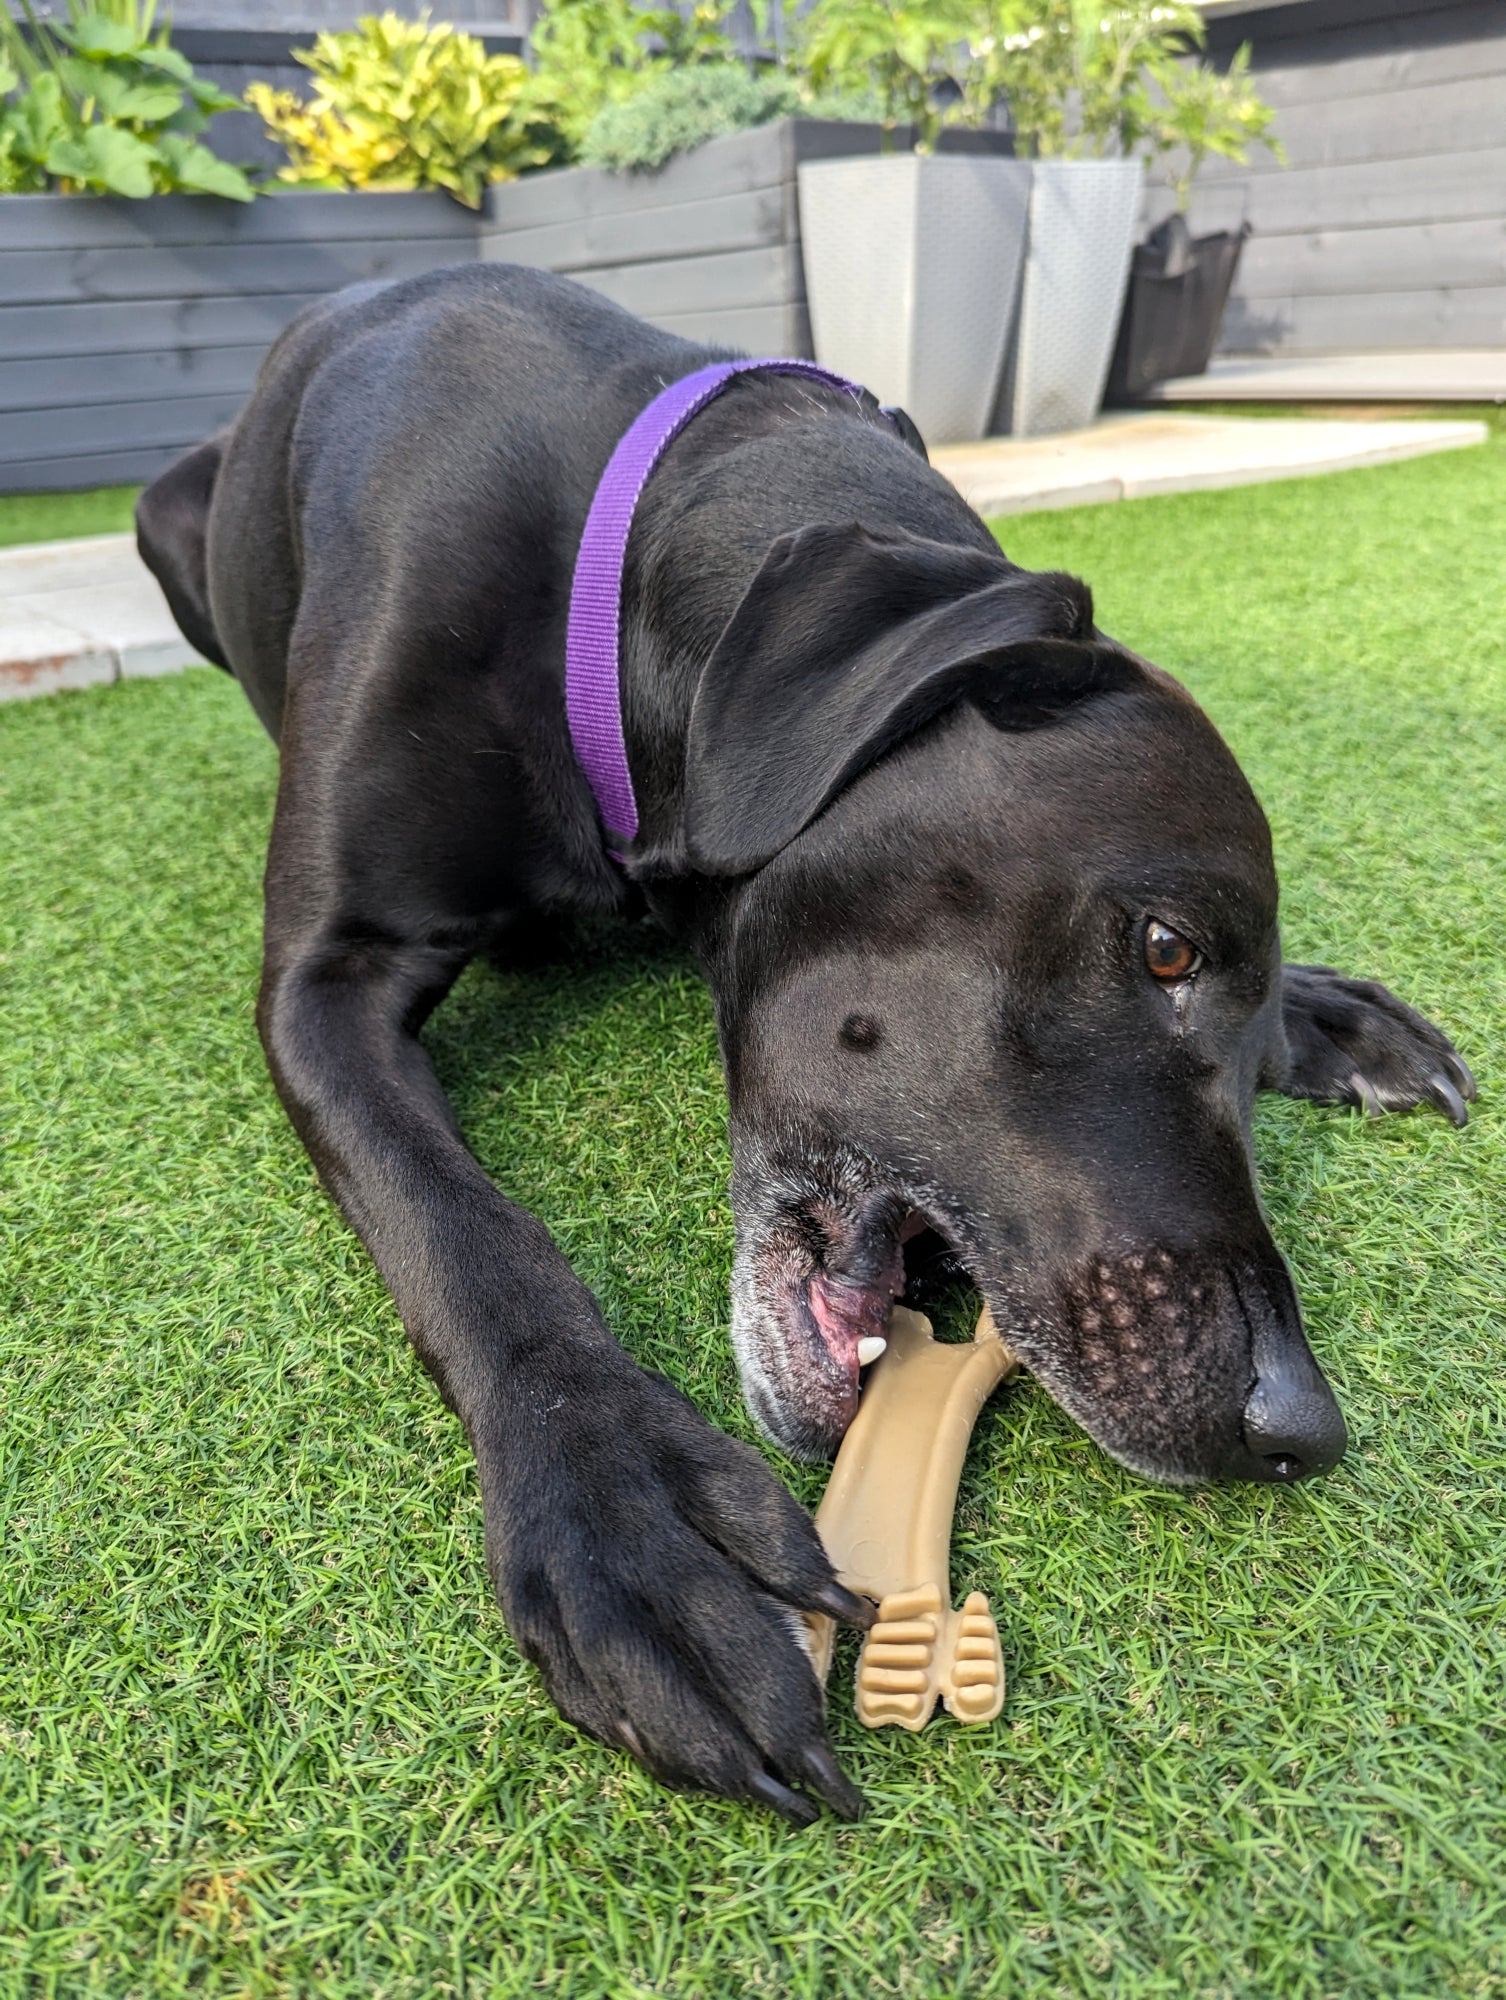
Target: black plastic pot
[(1179, 285)]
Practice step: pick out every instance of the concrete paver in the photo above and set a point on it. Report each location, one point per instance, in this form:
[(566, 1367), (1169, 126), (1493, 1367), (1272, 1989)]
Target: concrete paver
[(1430, 375), (73, 614), (1129, 457)]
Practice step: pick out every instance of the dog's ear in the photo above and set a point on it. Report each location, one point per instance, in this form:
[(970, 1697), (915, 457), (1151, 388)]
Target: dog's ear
[(847, 641)]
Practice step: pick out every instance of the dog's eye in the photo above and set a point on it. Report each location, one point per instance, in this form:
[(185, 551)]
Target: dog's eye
[(1168, 954)]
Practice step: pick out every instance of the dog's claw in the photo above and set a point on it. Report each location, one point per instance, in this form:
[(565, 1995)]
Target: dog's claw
[(824, 1775), (838, 1602), (1448, 1100), (1365, 1097), (779, 1798), (1464, 1076)]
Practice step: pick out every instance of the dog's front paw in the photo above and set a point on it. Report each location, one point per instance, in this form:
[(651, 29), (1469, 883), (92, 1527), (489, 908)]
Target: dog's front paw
[(650, 1568), (1350, 1041)]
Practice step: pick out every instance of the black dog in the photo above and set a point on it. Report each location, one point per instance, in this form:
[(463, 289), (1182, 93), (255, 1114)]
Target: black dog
[(987, 908)]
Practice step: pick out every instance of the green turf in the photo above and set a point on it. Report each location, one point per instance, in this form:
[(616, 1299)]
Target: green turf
[(262, 1731), (55, 517)]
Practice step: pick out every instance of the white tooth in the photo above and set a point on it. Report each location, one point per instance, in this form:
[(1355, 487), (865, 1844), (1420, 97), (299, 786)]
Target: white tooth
[(870, 1349)]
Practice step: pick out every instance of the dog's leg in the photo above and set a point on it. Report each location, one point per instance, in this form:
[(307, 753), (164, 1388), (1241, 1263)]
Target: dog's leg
[(644, 1560), (1350, 1041)]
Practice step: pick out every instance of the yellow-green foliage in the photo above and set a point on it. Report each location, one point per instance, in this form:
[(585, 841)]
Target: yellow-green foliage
[(401, 104)]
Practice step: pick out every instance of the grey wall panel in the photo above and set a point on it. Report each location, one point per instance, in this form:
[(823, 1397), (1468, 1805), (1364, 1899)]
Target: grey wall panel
[(1379, 75), (145, 326), (130, 329), (68, 222), (102, 468), (731, 165), (1432, 256), (723, 222), (37, 277), (1388, 229), (112, 378), (1371, 322), (702, 284), (104, 427), (1462, 116), (1442, 187), (760, 330)]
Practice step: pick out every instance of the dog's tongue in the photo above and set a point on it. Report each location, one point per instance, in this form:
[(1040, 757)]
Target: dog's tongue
[(852, 1320)]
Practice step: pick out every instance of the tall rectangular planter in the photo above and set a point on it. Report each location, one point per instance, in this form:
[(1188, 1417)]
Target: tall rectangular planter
[(707, 246), (913, 266), (130, 329), (1083, 216)]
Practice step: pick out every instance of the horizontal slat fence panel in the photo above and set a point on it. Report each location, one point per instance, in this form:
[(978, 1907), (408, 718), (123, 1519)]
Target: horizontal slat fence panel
[(130, 329), (1388, 229), (30, 222), (688, 229), (53, 474), (1383, 125), (1380, 75), (702, 284), (173, 421), (145, 325), (1372, 322), (113, 378), (1446, 187), (754, 329), (48, 277), (1433, 256), (735, 164)]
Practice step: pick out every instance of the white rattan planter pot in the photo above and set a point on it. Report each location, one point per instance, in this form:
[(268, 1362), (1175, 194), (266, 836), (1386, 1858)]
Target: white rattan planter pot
[(911, 271), (1083, 220)]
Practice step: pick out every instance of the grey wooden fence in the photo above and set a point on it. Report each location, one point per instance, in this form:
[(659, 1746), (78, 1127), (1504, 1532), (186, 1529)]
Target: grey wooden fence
[(1388, 228), (128, 329)]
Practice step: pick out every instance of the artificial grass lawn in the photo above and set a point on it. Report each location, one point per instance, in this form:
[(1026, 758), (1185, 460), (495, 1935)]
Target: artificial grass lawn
[(55, 517), (262, 1731)]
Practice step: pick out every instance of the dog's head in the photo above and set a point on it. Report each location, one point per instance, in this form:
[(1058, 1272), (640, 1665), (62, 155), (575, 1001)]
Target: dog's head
[(1000, 965)]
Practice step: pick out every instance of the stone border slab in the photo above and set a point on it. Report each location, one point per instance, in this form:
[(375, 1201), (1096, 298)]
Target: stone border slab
[(1128, 458), (1461, 375), (80, 613)]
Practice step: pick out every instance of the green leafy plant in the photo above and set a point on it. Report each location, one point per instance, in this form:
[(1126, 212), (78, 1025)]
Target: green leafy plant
[(1208, 112), (401, 104), (1079, 76), (1082, 77), (590, 54), (911, 56), (101, 103)]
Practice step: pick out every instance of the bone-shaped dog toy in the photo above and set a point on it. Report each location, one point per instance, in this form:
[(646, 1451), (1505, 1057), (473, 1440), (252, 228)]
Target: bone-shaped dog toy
[(886, 1522)]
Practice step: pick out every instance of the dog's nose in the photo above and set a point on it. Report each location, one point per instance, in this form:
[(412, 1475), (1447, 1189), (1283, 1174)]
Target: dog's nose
[(1293, 1427)]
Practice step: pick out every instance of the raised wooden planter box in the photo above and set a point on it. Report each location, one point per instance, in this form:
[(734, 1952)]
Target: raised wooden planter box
[(130, 329), (707, 246)]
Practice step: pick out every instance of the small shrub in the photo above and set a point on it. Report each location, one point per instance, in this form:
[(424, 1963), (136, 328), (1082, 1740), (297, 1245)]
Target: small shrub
[(401, 104), (679, 109), (100, 103), (592, 54), (682, 108)]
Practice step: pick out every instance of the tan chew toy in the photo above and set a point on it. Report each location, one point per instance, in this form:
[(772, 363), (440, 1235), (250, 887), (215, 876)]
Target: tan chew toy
[(886, 1522)]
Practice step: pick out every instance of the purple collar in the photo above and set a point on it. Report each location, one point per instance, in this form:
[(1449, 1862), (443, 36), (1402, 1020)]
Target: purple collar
[(593, 689)]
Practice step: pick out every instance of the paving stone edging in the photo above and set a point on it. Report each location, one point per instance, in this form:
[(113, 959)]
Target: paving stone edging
[(85, 613)]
